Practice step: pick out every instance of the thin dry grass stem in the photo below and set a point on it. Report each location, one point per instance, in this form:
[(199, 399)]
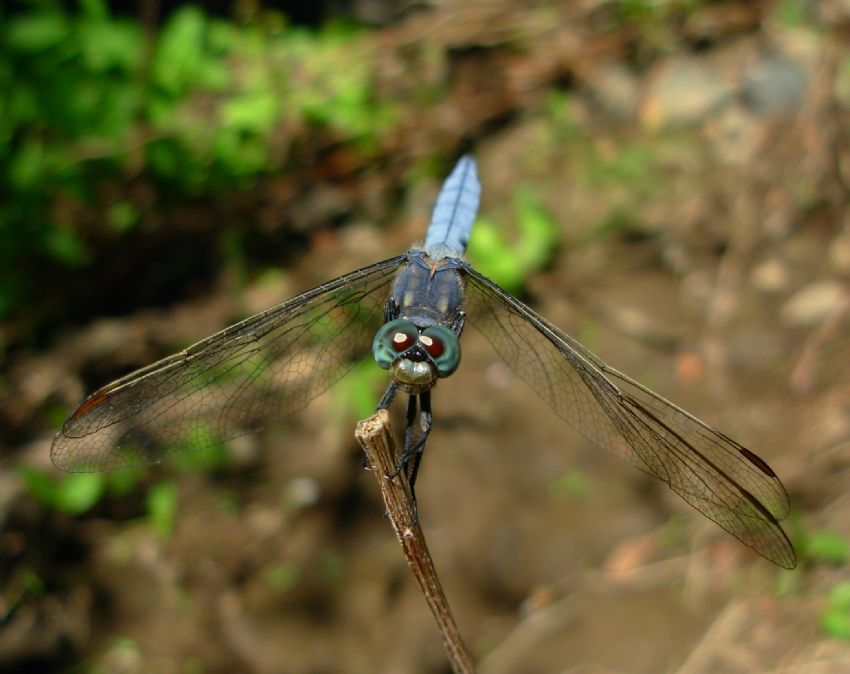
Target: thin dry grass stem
[(376, 439), (803, 374), (530, 635), (720, 643)]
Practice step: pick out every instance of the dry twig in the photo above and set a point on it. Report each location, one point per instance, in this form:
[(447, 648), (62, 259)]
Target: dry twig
[(376, 439)]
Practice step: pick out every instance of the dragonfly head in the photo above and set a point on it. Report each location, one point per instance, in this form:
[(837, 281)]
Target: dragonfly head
[(416, 359)]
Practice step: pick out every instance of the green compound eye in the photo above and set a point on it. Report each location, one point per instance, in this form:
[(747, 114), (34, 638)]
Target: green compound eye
[(444, 348), (393, 339)]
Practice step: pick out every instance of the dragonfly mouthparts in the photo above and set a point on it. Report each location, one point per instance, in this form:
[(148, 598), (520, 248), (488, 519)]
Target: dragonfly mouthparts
[(414, 375)]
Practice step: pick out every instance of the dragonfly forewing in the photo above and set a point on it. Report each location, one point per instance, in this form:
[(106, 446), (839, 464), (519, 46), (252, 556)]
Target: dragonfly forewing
[(723, 480), (260, 369)]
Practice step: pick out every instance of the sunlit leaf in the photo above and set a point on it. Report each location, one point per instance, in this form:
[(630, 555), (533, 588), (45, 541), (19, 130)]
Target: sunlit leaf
[(79, 492), (37, 31), (256, 111), (161, 505), (835, 617), (509, 261), (111, 45), (826, 546), (356, 393)]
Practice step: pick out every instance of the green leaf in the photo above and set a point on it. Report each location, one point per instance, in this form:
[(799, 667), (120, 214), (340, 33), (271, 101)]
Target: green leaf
[(835, 618), (94, 9), (839, 596), (201, 449), (122, 215), (107, 45), (183, 60), (78, 493), (256, 111), (33, 584), (355, 393), (56, 415), (66, 247), (792, 13), (836, 623), (539, 231), (282, 577), (241, 155), (40, 485), (122, 482), (826, 546), (575, 484), (179, 50), (161, 504), (562, 121), (29, 166), (37, 31), (510, 263)]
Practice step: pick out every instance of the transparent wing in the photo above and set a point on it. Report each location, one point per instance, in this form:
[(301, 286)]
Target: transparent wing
[(723, 480), (265, 367)]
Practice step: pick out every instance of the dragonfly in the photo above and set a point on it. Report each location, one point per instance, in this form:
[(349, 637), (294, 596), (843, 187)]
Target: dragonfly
[(409, 313)]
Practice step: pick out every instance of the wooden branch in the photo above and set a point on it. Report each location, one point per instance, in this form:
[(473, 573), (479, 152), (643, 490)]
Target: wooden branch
[(376, 439)]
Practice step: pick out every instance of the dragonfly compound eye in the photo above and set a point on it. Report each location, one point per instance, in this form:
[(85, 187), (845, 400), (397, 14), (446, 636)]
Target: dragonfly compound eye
[(393, 339), (433, 345), (401, 341), (442, 345)]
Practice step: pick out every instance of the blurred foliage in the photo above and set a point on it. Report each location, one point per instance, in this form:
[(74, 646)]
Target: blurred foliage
[(121, 652), (23, 584), (648, 10), (625, 173), (73, 494), (354, 395), (161, 502), (283, 577), (674, 533), (202, 107), (510, 262), (824, 547), (658, 24), (78, 493), (793, 12), (201, 450), (331, 567), (835, 617), (575, 484)]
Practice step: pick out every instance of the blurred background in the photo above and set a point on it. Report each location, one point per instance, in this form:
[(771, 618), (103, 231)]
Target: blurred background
[(665, 180)]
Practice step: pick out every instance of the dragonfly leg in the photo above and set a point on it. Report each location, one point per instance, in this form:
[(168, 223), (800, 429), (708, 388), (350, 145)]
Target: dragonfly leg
[(414, 440), (425, 420), (409, 440), (387, 398), (458, 322), (383, 404), (409, 449), (391, 310)]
